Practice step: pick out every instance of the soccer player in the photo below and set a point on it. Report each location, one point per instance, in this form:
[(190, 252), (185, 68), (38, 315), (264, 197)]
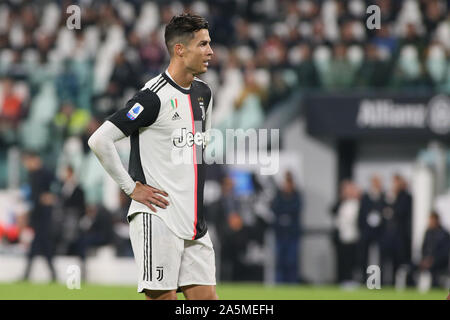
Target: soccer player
[(168, 116)]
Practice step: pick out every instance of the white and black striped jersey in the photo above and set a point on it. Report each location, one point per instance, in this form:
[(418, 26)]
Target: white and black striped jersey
[(166, 124)]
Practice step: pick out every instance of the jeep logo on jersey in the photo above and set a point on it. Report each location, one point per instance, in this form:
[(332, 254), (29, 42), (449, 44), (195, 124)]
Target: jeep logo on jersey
[(187, 138), (135, 111)]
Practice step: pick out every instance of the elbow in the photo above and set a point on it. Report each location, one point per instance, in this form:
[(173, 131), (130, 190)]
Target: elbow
[(103, 138)]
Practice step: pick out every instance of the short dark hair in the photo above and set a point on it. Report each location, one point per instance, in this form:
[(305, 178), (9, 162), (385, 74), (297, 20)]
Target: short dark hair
[(181, 28)]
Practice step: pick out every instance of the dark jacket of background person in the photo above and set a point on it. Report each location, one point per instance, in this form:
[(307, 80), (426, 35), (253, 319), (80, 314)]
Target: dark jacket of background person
[(402, 215), (96, 228), (121, 228), (286, 207), (396, 240), (401, 224), (435, 248), (233, 235), (41, 213), (71, 209), (40, 218), (370, 221)]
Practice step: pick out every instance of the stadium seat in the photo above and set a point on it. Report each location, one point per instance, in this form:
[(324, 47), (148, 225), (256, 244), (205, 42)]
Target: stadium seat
[(408, 62), (44, 105), (321, 57), (6, 57), (436, 64), (31, 57), (148, 20), (34, 135), (50, 18), (355, 55)]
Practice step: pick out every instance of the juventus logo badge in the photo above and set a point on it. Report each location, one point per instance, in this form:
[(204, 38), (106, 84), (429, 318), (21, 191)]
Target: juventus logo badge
[(200, 103), (160, 274)]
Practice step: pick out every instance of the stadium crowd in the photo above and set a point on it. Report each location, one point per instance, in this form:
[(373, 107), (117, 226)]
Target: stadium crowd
[(57, 85), (55, 80)]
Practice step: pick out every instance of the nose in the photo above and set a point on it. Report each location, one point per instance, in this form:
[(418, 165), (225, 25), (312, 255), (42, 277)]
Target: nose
[(210, 50)]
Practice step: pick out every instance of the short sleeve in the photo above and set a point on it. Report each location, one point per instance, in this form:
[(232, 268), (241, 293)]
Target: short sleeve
[(140, 111)]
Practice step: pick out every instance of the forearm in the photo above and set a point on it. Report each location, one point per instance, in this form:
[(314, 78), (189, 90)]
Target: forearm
[(102, 144)]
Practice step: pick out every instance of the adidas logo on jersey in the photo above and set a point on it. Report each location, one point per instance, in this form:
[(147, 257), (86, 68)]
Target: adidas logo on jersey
[(176, 116)]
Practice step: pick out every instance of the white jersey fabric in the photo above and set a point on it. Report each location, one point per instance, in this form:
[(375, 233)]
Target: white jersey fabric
[(166, 124)]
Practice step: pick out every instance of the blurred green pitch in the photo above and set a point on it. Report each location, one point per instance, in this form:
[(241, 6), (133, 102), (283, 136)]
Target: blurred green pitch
[(235, 291)]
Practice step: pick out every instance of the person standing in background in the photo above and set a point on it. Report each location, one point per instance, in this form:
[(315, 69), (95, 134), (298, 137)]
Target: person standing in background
[(435, 249), (287, 206), (370, 222), (40, 218), (233, 235), (72, 208), (346, 234), (396, 239)]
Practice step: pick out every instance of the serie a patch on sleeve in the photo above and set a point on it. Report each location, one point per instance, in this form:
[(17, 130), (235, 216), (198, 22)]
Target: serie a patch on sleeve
[(135, 111)]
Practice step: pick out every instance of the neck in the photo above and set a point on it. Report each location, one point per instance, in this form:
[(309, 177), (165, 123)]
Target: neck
[(180, 75)]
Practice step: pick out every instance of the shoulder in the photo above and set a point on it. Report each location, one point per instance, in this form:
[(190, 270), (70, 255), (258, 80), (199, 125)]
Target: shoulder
[(146, 98), (155, 84), (141, 110), (153, 81)]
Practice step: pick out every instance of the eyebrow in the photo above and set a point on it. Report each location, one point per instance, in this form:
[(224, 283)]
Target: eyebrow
[(203, 41)]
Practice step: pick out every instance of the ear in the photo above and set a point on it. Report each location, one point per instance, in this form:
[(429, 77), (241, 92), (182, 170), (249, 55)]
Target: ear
[(178, 49)]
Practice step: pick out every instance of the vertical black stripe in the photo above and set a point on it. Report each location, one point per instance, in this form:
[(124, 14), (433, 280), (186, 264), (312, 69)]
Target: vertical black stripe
[(201, 226), (144, 246), (135, 166), (200, 96), (146, 243), (150, 240), (147, 217)]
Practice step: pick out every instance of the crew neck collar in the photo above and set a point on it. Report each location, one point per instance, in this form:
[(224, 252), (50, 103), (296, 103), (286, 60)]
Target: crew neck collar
[(167, 76)]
